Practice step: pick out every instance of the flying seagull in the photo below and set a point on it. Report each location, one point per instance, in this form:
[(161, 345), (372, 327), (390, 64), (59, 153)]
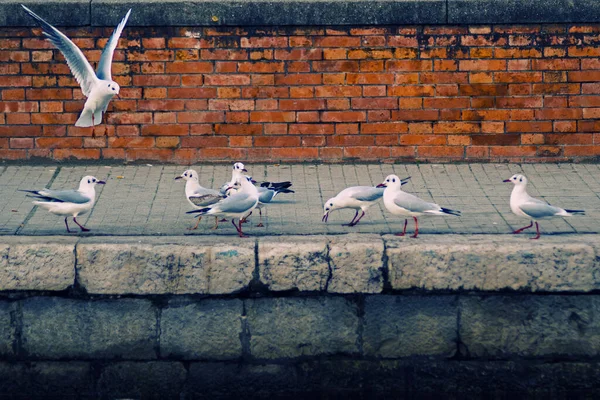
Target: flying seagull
[(98, 87)]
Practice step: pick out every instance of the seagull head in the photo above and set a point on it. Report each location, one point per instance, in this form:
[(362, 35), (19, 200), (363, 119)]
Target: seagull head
[(238, 166), (517, 179), (89, 182), (327, 208), (112, 88), (188, 174), (393, 181)]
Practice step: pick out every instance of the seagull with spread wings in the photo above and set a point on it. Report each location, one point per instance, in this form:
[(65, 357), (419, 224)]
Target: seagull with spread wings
[(98, 87)]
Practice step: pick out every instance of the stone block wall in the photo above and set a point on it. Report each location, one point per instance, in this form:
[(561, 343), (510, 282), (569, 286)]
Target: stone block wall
[(403, 81), (118, 319)]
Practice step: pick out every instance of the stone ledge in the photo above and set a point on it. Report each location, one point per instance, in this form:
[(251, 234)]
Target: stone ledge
[(339, 264), (300, 12)]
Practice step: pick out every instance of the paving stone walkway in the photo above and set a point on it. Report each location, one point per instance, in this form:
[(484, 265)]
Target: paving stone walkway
[(146, 200)]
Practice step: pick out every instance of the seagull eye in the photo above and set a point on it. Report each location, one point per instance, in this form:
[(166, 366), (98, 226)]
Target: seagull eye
[(330, 204), (89, 181), (521, 180), (394, 180)]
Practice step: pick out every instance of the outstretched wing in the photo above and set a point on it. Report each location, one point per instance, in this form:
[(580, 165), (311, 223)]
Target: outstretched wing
[(104, 66), (80, 67)]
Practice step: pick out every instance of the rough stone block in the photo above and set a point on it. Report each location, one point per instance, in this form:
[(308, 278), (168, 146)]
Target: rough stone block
[(530, 326), (356, 264), (294, 327), (56, 328), (7, 328), (57, 12), (404, 326), (206, 329), (293, 262), (72, 379), (37, 263), (165, 265), (142, 380), (492, 264), (226, 380)]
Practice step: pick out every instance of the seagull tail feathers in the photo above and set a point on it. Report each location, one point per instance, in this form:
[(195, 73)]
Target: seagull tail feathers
[(85, 119), (451, 212), (200, 211), (575, 212)]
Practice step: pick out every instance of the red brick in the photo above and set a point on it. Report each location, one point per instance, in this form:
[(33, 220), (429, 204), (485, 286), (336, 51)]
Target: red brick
[(482, 65), (131, 142), (442, 102), (584, 101), (240, 141), (512, 151), (379, 103), (13, 94), (312, 104), (584, 76), (565, 139), (21, 143), (373, 91), (558, 64), (519, 102), (343, 116), (485, 115), (456, 127), (237, 117), (416, 115), (299, 153), (307, 116), (277, 141), (165, 130), (272, 116), (201, 67), (54, 143), (347, 129), (204, 141), (298, 79), (440, 152), (409, 65), (223, 54), (444, 77), (255, 42), (311, 129), (370, 79), (230, 105), (496, 140), (338, 91), (302, 92), (379, 115), (529, 126), (276, 129), (161, 105), (435, 140), (187, 117), (196, 93), (384, 127), (266, 104), (559, 113), (239, 129), (350, 140), (335, 66)]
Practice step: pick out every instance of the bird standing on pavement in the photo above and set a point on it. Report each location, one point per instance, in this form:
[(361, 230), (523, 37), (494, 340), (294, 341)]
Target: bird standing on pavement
[(98, 87), (235, 206), (399, 202), (197, 195), (236, 175), (356, 198), (68, 202), (267, 192), (523, 205)]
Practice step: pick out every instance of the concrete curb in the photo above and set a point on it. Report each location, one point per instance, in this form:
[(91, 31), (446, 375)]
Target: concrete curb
[(344, 264), (307, 13)]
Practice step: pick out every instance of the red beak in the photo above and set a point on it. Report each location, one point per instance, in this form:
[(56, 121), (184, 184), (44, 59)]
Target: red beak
[(381, 185)]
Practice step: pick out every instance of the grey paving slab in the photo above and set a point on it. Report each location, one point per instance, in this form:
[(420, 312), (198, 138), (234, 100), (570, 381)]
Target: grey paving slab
[(146, 200)]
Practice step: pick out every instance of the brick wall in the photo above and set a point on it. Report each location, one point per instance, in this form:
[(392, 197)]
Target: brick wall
[(443, 93)]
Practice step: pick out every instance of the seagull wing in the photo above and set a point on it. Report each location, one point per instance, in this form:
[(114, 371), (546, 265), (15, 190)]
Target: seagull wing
[(414, 204), (368, 193), (238, 203), (61, 196), (205, 200), (104, 66), (537, 210), (80, 67)]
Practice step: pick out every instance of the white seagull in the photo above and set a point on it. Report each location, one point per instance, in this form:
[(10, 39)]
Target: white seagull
[(356, 198), (68, 202), (399, 202), (235, 206), (236, 175), (197, 195), (98, 87), (266, 193), (523, 205)]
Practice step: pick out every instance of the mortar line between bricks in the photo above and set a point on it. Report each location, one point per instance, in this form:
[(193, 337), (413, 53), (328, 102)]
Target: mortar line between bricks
[(34, 209)]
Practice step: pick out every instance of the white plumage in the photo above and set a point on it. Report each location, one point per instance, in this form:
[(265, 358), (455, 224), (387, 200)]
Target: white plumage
[(197, 195)]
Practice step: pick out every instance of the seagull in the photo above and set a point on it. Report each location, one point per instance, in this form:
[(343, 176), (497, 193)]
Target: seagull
[(234, 206), (197, 195), (236, 175), (401, 203), (356, 198), (68, 202), (267, 192), (523, 205), (98, 87)]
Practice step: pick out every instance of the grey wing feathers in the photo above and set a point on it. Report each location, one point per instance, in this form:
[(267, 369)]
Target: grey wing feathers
[(414, 204), (369, 194), (205, 200), (104, 66), (80, 67), (539, 210), (63, 196), (265, 195), (238, 203)]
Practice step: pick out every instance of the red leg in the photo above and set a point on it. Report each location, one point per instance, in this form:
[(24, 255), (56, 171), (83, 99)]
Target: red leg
[(537, 228), (67, 224), (93, 127), (404, 231), (240, 233), (523, 228), (416, 228), (82, 228), (352, 222), (216, 223), (197, 223), (359, 218), (260, 224), (245, 219)]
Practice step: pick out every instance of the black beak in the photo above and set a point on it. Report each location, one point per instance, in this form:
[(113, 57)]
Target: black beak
[(101, 183), (244, 170), (506, 180), (325, 217), (381, 185), (178, 177)]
